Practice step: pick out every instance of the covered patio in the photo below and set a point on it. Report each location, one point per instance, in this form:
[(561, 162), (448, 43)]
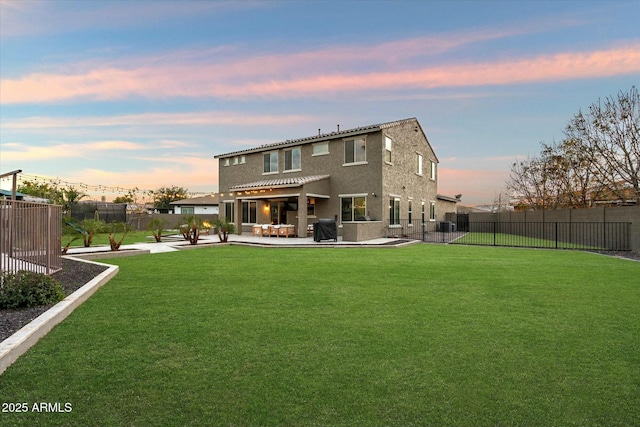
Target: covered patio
[(278, 207)]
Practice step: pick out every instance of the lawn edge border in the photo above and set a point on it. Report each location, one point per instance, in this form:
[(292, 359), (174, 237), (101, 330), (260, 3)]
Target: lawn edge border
[(26, 337)]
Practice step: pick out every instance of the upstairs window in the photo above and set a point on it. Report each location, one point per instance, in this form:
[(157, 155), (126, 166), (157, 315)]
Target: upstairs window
[(320, 148), (292, 159), (271, 162), (387, 149), (419, 163), (433, 170), (355, 151)]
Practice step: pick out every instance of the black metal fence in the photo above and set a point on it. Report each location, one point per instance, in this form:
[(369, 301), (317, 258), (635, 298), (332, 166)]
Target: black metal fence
[(609, 236)]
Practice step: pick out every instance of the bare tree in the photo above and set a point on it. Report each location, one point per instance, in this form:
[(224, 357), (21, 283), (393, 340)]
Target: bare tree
[(535, 181), (609, 133), (569, 167), (598, 159)]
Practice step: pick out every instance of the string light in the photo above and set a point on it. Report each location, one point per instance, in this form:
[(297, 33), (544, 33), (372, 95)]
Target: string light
[(96, 188)]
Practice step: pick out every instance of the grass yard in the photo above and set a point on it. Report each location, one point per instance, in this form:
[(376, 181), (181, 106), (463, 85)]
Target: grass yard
[(102, 239), (421, 335)]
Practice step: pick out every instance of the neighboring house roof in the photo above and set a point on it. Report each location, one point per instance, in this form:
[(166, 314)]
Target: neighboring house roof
[(211, 200), (23, 197), (8, 193), (279, 182), (325, 136), (448, 199)]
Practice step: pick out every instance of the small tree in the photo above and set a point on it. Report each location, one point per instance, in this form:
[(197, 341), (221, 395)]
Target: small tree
[(115, 227), (163, 197), (90, 227), (190, 228), (72, 231), (157, 226), (224, 228)]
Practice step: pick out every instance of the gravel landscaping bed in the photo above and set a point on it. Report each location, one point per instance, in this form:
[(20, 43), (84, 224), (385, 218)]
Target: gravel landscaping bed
[(74, 274)]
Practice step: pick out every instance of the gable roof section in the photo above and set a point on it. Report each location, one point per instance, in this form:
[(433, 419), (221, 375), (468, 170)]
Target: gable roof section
[(278, 183), (323, 137)]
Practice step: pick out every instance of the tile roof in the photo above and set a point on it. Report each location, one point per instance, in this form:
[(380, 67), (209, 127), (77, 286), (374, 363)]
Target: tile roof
[(279, 182), (320, 137)]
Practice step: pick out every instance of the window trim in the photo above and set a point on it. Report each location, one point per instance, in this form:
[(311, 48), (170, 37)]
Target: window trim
[(352, 197), (271, 172), (394, 210), (388, 150), (410, 212), (248, 204), (291, 150), (319, 144), (231, 206), (355, 162)]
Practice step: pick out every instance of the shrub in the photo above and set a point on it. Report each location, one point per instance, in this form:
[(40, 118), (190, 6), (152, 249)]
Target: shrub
[(28, 289), (190, 228), (224, 228), (117, 227), (157, 226)]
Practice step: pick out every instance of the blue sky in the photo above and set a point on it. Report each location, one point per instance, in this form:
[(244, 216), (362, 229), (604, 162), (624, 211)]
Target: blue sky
[(145, 93)]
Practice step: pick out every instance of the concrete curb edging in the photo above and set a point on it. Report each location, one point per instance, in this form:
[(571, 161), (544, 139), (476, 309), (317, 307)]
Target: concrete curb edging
[(109, 254), (21, 341)]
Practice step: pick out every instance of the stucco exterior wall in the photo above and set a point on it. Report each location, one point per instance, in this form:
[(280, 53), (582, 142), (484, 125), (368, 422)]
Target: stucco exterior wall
[(400, 177), (373, 178)]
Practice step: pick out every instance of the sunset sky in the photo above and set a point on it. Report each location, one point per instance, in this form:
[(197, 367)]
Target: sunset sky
[(145, 93)]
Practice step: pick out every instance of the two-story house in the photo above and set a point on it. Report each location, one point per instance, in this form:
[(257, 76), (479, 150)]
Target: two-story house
[(368, 179)]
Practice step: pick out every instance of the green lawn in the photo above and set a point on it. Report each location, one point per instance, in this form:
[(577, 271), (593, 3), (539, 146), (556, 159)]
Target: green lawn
[(421, 335), (102, 239)]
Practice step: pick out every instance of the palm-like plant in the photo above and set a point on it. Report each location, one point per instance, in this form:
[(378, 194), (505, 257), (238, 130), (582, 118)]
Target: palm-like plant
[(224, 228), (157, 226), (190, 228)]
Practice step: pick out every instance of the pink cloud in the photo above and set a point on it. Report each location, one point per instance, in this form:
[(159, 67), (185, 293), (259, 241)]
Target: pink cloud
[(272, 77), (157, 119), (17, 152)]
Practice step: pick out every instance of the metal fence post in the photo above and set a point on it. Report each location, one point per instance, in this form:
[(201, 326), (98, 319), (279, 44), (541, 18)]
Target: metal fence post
[(495, 224)]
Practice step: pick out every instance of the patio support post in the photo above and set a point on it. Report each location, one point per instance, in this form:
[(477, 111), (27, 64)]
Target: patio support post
[(237, 213), (302, 213)]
